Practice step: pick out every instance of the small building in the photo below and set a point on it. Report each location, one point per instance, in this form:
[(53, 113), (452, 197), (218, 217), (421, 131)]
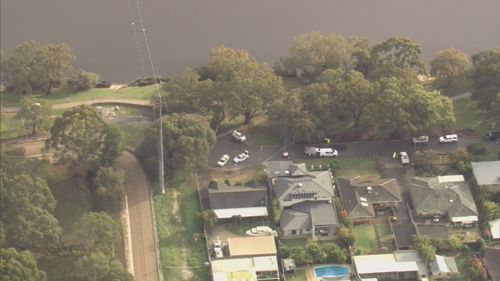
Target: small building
[(362, 198), (487, 174), (495, 229), (444, 268), (245, 201), (311, 219), (444, 196), (490, 259), (403, 235), (400, 265), (251, 258)]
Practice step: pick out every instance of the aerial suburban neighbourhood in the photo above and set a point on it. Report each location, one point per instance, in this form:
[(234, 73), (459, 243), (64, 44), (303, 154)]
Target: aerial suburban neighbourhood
[(249, 140)]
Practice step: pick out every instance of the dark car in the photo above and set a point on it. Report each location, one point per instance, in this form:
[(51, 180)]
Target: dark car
[(492, 136)]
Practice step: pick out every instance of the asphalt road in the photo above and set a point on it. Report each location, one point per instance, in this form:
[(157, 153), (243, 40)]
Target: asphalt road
[(226, 145)]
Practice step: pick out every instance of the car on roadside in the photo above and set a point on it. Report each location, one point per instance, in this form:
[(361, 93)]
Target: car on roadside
[(239, 136), (223, 160), (241, 157), (403, 157), (420, 140), (217, 244), (321, 151), (448, 138), (491, 136)]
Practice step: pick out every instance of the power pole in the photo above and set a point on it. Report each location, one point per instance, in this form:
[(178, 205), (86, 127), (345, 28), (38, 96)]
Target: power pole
[(161, 171)]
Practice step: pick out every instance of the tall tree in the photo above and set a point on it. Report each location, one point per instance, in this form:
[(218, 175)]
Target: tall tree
[(109, 188), (291, 121), (395, 55), (424, 246), (26, 212), (448, 65), (187, 140), (19, 266), (35, 114), (317, 100), (485, 75), (98, 232), (81, 136), (37, 68), (82, 80)]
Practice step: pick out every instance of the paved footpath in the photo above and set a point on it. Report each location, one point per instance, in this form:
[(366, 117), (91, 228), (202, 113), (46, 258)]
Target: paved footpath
[(88, 102), (141, 219)]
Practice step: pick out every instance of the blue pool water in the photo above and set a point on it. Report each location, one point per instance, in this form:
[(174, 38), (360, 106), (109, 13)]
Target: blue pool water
[(330, 271)]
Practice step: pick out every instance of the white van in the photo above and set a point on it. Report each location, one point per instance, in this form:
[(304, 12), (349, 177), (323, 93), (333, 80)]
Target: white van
[(448, 138), (327, 152)]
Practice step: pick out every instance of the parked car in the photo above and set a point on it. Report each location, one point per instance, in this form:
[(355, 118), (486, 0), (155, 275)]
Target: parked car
[(448, 138), (420, 140), (218, 249), (492, 136), (324, 151), (242, 157), (403, 157), (223, 160), (239, 136)]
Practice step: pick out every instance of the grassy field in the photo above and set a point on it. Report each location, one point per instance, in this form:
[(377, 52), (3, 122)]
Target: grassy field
[(10, 127), (346, 166), (365, 237), (300, 242), (132, 135), (243, 175), (62, 96), (469, 116), (179, 235)]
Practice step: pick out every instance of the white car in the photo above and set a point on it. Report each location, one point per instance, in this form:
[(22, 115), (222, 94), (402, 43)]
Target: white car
[(420, 139), (403, 156), (448, 138), (223, 160), (239, 136), (218, 249), (242, 157)]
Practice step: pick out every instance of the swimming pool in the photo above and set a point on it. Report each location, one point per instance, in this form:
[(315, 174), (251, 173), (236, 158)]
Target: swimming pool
[(329, 271)]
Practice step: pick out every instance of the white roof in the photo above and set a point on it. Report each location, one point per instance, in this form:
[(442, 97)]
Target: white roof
[(495, 228), (441, 264), (467, 219), (451, 178), (269, 263), (369, 279), (382, 263), (486, 173), (243, 212)]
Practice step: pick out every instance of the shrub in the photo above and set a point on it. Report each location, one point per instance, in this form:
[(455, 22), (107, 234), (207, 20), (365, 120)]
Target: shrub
[(476, 149), (82, 80)]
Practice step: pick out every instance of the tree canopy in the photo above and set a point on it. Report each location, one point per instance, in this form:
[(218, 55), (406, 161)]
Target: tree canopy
[(35, 114), (394, 55), (98, 232), (109, 188), (485, 75), (19, 266), (81, 136), (448, 65), (187, 140), (424, 246), (37, 68)]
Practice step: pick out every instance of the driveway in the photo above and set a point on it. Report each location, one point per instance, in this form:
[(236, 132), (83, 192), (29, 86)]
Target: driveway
[(141, 219)]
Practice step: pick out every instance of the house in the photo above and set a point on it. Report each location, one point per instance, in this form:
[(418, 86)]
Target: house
[(317, 220), (305, 198), (490, 259), (444, 268), (400, 265), (487, 174), (362, 199), (444, 196), (251, 259), (245, 201), (495, 229)]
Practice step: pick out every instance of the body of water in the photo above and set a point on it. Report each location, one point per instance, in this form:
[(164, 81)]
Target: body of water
[(181, 32)]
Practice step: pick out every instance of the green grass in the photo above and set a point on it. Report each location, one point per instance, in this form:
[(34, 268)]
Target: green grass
[(132, 135), (467, 115), (174, 232), (63, 96), (365, 237), (347, 167), (10, 127), (300, 242), (299, 275), (462, 264)]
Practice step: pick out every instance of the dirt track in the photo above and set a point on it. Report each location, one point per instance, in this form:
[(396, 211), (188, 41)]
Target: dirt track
[(141, 219)]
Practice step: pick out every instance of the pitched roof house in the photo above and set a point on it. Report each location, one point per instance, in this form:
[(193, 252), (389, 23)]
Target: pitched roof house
[(316, 219), (444, 267), (245, 201), (491, 258), (487, 174), (444, 195), (361, 198), (400, 265)]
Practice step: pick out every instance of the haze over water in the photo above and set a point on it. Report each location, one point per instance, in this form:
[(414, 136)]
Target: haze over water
[(181, 32)]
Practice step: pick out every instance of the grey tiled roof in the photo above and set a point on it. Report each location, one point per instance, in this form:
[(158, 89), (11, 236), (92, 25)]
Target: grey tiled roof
[(305, 214), (358, 200), (486, 173), (225, 197), (317, 183), (434, 197)]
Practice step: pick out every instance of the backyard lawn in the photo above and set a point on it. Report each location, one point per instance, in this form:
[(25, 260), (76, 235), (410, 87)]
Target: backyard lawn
[(346, 167), (365, 237), (180, 232), (239, 176)]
